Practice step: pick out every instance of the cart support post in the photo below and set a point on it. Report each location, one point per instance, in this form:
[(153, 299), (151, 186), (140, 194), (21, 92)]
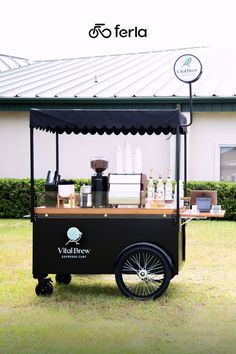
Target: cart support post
[(57, 153), (32, 191), (177, 170), (185, 164), (190, 104), (185, 137)]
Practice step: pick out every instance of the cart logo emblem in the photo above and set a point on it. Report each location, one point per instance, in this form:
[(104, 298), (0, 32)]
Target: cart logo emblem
[(187, 62), (74, 235)]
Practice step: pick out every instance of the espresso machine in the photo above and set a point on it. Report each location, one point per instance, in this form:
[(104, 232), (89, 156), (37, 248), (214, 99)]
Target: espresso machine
[(99, 182)]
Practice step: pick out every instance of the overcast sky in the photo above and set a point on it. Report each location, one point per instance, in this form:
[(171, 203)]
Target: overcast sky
[(50, 29)]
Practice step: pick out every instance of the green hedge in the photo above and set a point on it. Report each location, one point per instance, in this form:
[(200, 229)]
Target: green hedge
[(15, 195)]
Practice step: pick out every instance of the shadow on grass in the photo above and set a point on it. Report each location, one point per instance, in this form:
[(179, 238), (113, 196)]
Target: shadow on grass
[(88, 289), (95, 289)]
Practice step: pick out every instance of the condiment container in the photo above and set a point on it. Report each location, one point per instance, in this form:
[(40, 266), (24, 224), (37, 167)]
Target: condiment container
[(66, 188), (85, 197)]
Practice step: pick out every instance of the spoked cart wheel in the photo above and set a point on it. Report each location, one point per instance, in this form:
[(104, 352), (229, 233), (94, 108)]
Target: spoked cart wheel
[(63, 278), (143, 272)]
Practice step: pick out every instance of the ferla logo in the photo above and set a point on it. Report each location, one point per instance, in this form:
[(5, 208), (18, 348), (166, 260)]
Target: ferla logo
[(99, 30)]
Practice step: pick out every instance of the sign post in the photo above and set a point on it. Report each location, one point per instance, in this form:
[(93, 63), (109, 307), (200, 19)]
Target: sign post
[(188, 69)]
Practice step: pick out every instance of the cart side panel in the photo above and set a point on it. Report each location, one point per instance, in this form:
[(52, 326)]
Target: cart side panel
[(101, 242)]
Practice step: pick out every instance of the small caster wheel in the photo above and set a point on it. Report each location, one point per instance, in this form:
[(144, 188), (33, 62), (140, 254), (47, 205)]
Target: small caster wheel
[(63, 278), (44, 288)]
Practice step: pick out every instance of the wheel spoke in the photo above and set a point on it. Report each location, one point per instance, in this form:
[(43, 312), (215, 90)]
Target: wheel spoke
[(147, 259), (136, 259), (155, 269), (129, 267)]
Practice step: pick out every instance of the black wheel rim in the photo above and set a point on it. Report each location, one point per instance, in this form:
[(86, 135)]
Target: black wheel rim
[(143, 274)]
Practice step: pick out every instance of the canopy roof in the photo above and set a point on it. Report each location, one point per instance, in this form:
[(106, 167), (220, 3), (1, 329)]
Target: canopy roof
[(108, 121)]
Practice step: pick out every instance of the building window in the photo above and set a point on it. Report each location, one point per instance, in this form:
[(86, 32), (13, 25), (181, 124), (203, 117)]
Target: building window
[(228, 163)]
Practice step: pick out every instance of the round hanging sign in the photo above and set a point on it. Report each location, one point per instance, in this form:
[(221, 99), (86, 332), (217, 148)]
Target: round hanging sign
[(188, 68)]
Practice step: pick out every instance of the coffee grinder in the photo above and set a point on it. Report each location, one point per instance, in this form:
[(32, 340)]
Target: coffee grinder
[(99, 182)]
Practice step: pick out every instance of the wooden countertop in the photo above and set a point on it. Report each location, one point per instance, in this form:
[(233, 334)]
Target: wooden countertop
[(103, 211), (123, 211)]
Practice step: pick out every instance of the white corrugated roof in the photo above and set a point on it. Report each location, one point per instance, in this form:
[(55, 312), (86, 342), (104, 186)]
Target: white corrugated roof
[(129, 75), (8, 62)]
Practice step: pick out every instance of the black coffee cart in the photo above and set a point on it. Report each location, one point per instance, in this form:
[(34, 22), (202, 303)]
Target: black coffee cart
[(143, 247)]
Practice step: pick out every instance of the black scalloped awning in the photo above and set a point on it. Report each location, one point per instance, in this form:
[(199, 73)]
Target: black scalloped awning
[(107, 121)]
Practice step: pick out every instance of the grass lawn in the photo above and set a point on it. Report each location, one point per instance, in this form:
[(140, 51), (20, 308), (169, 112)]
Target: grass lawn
[(197, 314)]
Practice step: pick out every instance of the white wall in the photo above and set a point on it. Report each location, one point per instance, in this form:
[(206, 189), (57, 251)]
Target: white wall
[(209, 130), (75, 150), (14, 144)]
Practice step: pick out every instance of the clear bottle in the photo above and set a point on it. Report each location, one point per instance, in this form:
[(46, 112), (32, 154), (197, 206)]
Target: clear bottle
[(168, 189), (85, 196), (151, 186), (81, 195), (160, 188)]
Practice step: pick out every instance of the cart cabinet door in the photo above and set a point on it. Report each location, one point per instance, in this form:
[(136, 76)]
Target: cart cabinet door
[(92, 245)]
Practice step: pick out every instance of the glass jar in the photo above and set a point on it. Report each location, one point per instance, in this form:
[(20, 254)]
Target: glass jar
[(85, 197)]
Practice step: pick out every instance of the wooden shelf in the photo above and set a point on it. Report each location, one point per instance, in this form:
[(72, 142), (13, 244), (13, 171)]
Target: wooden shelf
[(189, 214)]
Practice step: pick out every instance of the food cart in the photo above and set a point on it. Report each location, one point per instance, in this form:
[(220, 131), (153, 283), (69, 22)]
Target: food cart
[(143, 247)]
